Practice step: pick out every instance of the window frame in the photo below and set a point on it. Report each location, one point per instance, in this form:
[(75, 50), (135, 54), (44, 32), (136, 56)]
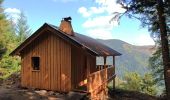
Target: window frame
[(33, 63)]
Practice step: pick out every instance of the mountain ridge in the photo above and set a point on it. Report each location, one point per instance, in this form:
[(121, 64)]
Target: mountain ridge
[(133, 59)]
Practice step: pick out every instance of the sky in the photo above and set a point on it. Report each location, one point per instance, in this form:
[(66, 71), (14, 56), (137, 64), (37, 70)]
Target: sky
[(89, 17)]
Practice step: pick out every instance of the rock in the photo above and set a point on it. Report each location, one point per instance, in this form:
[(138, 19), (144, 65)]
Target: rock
[(56, 93), (76, 96), (13, 79), (51, 93), (1, 81), (22, 90), (29, 93), (52, 98), (41, 92)]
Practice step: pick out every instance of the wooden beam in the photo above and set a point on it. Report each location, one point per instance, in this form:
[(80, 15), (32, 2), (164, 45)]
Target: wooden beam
[(111, 78), (114, 72), (105, 83), (104, 62), (113, 60), (88, 71)]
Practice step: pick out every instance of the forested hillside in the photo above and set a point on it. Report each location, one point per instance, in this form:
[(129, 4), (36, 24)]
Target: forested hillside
[(133, 58)]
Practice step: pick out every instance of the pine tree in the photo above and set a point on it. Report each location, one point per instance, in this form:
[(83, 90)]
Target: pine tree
[(136, 82), (156, 66), (22, 29), (148, 85), (7, 44), (2, 23), (155, 15)]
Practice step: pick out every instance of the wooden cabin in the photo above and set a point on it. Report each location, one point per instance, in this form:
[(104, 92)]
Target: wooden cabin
[(59, 59)]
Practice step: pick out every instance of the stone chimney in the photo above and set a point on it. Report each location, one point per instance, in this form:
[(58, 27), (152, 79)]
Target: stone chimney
[(66, 26)]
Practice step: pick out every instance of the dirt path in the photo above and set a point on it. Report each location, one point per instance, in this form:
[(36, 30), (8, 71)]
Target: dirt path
[(28, 94), (21, 94)]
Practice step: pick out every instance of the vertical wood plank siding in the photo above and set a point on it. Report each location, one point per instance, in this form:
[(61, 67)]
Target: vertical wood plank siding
[(78, 69), (55, 64), (80, 62)]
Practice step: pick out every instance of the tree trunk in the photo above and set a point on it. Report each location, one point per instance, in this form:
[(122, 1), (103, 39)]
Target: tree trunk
[(164, 44)]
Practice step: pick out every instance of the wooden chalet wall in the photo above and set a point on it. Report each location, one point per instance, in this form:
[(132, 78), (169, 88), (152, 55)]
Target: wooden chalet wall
[(81, 64), (55, 64)]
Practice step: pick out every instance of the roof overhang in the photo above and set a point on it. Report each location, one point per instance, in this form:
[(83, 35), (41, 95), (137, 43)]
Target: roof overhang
[(51, 29), (46, 27)]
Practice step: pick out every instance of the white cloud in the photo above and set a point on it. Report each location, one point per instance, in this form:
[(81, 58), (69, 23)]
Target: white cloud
[(84, 12), (97, 22), (12, 13), (110, 6), (102, 22), (91, 11), (98, 19), (12, 10), (100, 33), (95, 10), (99, 27), (143, 39)]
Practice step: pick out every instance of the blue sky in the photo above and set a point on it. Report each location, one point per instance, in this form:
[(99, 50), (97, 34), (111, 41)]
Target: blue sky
[(89, 17)]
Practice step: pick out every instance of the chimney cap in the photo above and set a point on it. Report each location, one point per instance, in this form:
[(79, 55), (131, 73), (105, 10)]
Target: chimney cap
[(66, 26), (67, 19)]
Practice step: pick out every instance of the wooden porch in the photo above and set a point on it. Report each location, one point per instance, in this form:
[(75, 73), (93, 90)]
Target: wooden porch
[(96, 78), (96, 82)]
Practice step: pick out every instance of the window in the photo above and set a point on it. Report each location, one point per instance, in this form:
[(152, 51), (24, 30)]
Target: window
[(36, 63)]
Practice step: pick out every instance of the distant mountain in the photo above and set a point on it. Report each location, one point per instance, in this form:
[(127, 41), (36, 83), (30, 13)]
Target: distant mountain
[(133, 58)]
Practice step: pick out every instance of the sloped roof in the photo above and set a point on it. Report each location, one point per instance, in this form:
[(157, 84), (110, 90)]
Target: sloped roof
[(89, 44)]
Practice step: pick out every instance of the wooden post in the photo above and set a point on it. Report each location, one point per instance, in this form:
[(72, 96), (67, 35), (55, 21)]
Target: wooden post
[(114, 72), (105, 83), (104, 62), (88, 72), (105, 68)]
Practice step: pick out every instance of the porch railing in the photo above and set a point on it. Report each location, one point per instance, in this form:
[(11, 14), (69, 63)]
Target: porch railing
[(100, 67), (97, 81)]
